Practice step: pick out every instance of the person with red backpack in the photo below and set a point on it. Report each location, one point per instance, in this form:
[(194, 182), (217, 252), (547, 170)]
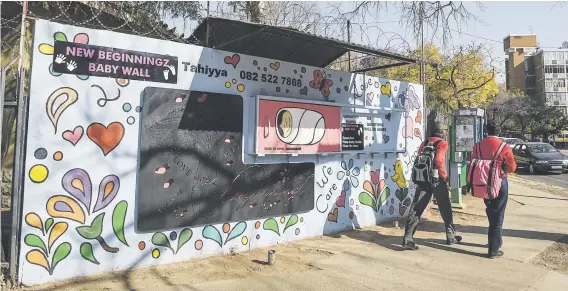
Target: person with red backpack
[(491, 160), (430, 176)]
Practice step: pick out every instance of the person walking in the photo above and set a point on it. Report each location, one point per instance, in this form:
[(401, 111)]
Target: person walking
[(437, 186), (485, 149)]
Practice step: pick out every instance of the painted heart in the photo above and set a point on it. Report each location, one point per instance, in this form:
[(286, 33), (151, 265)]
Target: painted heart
[(202, 98), (375, 176), (401, 210), (234, 60), (341, 200), (386, 89), (386, 138), (73, 136), (275, 66), (388, 116), (107, 138), (161, 170), (332, 216), (371, 96), (418, 133), (408, 128), (418, 118)]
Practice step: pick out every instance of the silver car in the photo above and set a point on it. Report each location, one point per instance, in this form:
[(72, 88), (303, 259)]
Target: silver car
[(512, 141)]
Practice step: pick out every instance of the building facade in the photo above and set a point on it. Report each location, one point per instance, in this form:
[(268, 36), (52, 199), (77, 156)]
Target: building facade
[(540, 73)]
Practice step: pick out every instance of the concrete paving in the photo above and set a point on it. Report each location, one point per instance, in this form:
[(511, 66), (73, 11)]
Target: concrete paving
[(372, 259), (382, 265)]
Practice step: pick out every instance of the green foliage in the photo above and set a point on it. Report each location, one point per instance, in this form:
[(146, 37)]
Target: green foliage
[(463, 78)]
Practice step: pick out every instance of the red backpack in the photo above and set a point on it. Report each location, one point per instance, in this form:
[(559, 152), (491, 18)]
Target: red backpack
[(485, 176)]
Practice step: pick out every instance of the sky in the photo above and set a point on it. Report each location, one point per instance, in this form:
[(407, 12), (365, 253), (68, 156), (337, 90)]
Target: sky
[(496, 20), (499, 19)]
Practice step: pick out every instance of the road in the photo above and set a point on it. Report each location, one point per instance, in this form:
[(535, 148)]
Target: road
[(560, 180)]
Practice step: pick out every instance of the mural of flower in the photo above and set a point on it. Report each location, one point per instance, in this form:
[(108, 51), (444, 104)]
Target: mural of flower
[(376, 191), (40, 252), (78, 208), (48, 49), (350, 174)]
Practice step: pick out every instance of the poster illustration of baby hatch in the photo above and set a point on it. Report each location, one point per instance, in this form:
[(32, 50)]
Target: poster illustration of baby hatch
[(302, 128)]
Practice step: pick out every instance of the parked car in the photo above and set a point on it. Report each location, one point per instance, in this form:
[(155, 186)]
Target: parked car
[(540, 157), (512, 141)]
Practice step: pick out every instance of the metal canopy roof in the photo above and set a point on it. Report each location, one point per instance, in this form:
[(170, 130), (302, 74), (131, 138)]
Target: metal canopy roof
[(282, 43)]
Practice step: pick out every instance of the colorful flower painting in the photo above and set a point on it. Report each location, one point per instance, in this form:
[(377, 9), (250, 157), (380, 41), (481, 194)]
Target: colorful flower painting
[(78, 208), (376, 192)]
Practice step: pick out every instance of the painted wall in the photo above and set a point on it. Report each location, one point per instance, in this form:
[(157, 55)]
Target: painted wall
[(80, 192)]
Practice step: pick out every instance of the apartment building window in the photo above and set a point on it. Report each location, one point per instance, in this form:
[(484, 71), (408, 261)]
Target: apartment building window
[(558, 56), (555, 69), (559, 83), (556, 99), (548, 84)]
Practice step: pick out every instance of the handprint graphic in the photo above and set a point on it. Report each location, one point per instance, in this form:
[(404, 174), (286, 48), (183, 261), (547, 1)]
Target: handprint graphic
[(173, 69), (59, 59), (71, 65)]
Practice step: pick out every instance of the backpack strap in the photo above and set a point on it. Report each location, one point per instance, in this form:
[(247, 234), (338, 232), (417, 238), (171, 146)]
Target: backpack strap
[(499, 150), (492, 167)]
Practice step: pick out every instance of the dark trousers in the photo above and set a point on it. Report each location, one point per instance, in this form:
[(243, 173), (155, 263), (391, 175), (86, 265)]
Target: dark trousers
[(421, 199), (495, 214)]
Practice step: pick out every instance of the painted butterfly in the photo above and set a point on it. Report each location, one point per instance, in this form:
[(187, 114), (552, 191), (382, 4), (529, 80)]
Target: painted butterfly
[(321, 83), (408, 99)]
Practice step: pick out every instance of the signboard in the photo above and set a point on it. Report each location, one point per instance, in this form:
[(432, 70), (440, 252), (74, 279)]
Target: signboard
[(378, 134), (291, 127), (91, 60), (464, 133), (352, 137)]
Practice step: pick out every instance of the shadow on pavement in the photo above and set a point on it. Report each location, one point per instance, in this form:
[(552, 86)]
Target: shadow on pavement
[(393, 241), (539, 197)]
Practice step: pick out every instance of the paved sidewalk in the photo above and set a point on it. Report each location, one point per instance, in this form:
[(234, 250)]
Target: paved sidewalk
[(371, 259)]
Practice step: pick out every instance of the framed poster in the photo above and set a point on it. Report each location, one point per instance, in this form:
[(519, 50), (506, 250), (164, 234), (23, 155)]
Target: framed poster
[(285, 127), (352, 137)]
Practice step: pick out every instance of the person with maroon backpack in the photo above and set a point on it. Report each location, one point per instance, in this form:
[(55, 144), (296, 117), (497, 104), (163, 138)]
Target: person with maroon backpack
[(430, 176), (491, 161)]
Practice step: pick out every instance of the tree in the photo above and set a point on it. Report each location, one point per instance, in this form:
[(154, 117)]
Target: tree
[(469, 74), (438, 16), (411, 73), (505, 107), (464, 78), (251, 9), (538, 119)]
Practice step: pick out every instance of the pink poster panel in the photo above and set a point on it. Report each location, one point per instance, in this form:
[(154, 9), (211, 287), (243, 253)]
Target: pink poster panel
[(290, 127)]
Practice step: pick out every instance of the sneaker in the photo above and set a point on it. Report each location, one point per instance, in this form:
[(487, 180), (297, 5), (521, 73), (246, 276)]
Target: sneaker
[(456, 240), (410, 246), (496, 255)]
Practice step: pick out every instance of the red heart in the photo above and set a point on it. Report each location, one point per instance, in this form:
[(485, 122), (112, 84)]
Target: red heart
[(375, 176), (107, 138), (234, 60), (341, 200), (401, 209)]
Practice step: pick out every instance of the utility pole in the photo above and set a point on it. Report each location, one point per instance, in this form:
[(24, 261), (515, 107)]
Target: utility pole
[(207, 27), (349, 41), (422, 68)]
